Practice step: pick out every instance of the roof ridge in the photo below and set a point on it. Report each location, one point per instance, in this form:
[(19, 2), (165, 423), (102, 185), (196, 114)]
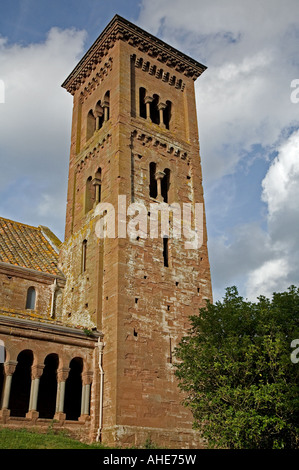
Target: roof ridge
[(19, 223)]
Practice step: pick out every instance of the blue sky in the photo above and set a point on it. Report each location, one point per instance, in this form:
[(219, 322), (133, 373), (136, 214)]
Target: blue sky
[(248, 124), (29, 21)]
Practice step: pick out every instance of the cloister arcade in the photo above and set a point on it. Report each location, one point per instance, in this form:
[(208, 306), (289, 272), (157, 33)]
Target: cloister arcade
[(47, 380)]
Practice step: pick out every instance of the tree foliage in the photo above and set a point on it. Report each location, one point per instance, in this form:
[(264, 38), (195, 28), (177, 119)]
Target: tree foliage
[(236, 371)]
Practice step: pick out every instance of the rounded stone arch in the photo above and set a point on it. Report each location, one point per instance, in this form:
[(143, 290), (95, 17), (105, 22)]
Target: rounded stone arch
[(11, 352), (152, 179), (106, 97), (48, 387), (167, 113), (141, 98), (90, 124), (165, 184), (98, 112), (31, 298), (21, 384), (154, 111), (98, 172), (73, 389), (106, 105), (51, 348)]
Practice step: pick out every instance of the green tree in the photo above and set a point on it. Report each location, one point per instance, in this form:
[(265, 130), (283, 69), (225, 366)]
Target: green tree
[(236, 371)]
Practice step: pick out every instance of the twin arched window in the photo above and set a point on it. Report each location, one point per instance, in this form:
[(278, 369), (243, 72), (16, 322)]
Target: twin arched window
[(163, 188), (98, 115), (93, 190), (152, 109)]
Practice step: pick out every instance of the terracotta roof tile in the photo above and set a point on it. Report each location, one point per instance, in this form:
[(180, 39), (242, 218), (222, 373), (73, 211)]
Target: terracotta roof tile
[(28, 247)]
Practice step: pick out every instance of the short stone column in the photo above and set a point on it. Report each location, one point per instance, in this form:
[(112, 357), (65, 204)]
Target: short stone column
[(105, 106), (161, 107), (36, 373), (62, 375), (98, 113), (159, 176), (97, 184), (9, 368), (148, 100), (85, 399)]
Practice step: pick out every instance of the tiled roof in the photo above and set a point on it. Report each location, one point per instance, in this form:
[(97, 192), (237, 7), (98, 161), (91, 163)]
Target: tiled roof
[(28, 247)]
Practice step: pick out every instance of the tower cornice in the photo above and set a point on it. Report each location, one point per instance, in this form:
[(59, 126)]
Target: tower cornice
[(121, 29)]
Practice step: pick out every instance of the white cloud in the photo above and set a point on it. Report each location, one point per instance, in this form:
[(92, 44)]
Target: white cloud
[(281, 184), (250, 49), (264, 261), (268, 278), (35, 123), (243, 103)]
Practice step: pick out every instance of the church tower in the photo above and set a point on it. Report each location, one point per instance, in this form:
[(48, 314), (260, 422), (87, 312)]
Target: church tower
[(134, 143)]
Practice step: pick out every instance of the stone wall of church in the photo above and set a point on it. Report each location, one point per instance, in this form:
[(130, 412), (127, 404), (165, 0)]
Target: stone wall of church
[(14, 286)]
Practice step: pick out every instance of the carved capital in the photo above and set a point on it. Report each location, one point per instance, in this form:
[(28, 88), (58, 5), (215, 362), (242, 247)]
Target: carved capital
[(159, 175), (148, 99), (62, 374), (37, 371), (96, 181), (87, 377), (98, 111), (10, 367), (161, 106)]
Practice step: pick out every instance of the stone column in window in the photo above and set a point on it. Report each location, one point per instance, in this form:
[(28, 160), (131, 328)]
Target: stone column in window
[(62, 375), (161, 107), (36, 373), (148, 100), (105, 106), (97, 184), (9, 368), (85, 400), (159, 176), (98, 113)]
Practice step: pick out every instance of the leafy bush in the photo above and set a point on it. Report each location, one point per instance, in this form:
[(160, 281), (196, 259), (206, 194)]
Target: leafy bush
[(236, 370)]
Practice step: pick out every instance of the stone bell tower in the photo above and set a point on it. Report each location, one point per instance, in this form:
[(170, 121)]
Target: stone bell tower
[(134, 135)]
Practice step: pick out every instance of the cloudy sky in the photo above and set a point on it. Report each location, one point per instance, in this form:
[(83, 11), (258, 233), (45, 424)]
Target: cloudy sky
[(248, 114)]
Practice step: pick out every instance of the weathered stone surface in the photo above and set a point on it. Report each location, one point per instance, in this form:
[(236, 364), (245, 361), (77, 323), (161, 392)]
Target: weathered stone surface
[(141, 306), (122, 287)]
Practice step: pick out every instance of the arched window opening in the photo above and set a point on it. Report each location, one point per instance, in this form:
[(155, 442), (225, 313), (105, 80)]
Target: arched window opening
[(89, 195), (91, 125), (31, 297), (84, 255), (165, 185), (142, 105), (21, 385), (153, 181), (97, 184), (99, 115), (154, 111), (46, 403), (106, 106), (167, 114), (166, 252), (73, 390)]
